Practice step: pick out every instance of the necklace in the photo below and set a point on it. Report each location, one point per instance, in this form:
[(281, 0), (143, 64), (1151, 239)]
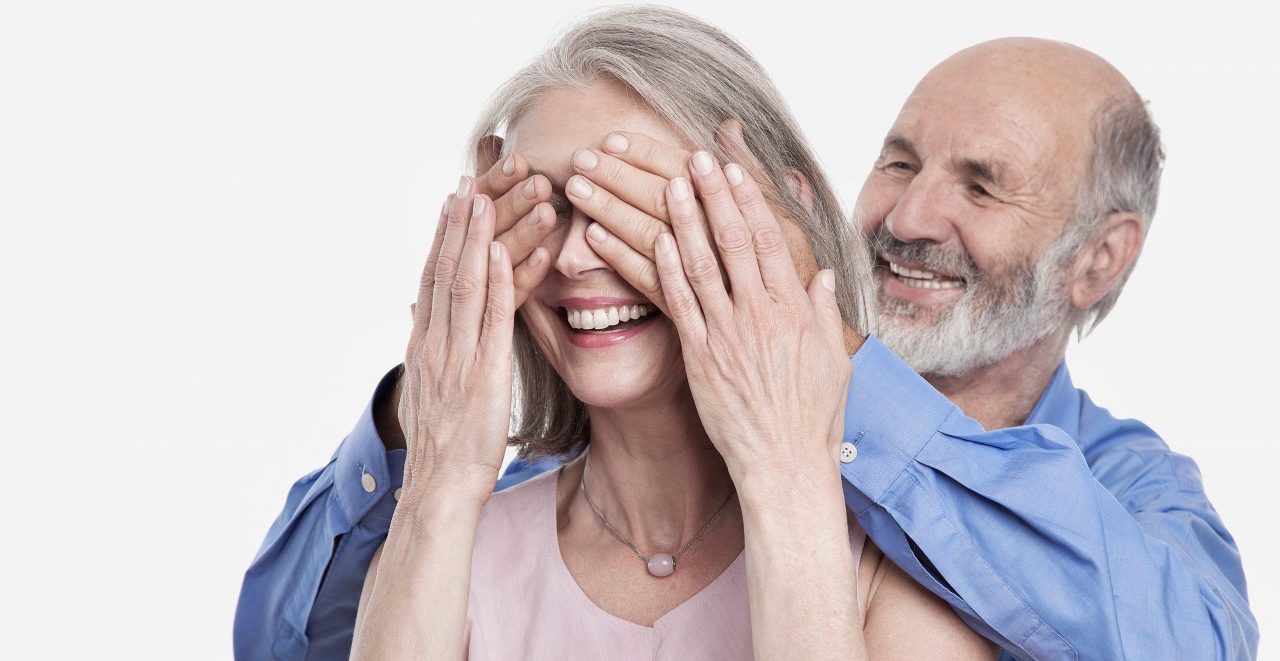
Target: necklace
[(659, 564)]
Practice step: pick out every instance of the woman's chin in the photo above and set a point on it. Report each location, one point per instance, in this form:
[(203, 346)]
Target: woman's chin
[(618, 390)]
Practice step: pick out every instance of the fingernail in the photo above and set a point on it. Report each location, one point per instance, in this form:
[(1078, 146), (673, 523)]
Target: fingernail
[(616, 143), (702, 163), (680, 189), (494, 251), (829, 279), (464, 186), (596, 232), (536, 258), (585, 159), (533, 216), (578, 187), (664, 242), (477, 207), (509, 165), (530, 190), (733, 173)]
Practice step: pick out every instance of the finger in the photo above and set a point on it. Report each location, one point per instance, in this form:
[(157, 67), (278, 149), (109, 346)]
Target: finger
[(530, 273), (426, 284), (638, 149), (499, 311), (502, 176), (638, 270), (682, 304), (736, 149), (519, 201), (643, 190), (701, 267), (730, 232), (777, 271), (470, 285), (632, 225), (822, 295), (450, 253), (525, 235)]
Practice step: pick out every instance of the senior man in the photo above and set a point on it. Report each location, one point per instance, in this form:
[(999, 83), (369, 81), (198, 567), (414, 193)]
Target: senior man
[(1007, 208)]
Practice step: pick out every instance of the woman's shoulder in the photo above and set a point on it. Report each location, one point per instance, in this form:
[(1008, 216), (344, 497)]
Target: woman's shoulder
[(519, 513)]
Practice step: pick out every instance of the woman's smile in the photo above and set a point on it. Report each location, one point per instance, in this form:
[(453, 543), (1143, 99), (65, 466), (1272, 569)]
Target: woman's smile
[(600, 321)]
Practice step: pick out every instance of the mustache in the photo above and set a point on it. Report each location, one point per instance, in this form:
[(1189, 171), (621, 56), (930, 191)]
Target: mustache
[(928, 254)]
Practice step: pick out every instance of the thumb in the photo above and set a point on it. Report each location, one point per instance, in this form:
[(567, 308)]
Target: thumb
[(822, 295)]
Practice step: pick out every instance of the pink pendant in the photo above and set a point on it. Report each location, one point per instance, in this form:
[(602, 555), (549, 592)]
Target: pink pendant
[(662, 564)]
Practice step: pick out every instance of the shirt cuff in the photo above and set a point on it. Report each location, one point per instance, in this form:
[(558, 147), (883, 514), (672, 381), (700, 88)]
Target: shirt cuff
[(365, 471), (890, 415)]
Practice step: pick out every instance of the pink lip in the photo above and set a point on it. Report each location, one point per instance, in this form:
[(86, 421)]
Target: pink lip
[(598, 302)]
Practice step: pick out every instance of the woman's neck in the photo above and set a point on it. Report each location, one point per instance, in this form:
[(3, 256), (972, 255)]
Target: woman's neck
[(654, 474)]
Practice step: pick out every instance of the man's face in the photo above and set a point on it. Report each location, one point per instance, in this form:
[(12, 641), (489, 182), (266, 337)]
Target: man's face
[(973, 187)]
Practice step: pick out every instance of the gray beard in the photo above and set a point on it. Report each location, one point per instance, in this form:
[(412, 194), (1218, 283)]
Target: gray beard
[(992, 320)]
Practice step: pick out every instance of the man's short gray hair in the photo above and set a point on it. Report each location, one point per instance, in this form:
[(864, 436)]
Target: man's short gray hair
[(1123, 176), (694, 76)]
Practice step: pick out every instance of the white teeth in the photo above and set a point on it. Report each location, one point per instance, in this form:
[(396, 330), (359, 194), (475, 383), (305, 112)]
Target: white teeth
[(600, 318), (923, 279)]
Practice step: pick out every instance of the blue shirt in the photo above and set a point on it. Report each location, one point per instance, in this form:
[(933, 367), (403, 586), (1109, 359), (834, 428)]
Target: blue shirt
[(1074, 536)]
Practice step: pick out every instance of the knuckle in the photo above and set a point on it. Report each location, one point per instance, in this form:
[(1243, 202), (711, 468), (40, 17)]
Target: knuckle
[(703, 269), (733, 240), (768, 240), (658, 200), (647, 280), (446, 266), (465, 287), (681, 304)]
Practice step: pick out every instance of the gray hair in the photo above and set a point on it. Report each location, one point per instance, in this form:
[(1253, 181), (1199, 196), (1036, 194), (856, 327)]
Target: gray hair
[(1124, 176), (694, 76)]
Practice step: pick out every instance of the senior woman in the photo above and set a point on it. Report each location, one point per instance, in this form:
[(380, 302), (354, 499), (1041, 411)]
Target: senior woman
[(669, 536)]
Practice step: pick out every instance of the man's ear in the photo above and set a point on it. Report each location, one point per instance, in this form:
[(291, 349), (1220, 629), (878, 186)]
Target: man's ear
[(488, 149), (1105, 258)]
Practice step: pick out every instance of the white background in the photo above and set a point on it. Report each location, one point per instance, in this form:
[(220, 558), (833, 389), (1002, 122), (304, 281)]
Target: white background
[(213, 215)]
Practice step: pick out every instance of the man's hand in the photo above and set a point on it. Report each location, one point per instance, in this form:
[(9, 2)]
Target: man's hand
[(628, 180)]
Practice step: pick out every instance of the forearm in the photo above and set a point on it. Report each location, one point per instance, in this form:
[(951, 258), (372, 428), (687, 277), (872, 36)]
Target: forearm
[(800, 571), (418, 604)]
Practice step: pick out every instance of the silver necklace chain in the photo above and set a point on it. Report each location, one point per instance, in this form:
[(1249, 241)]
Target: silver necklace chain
[(583, 486)]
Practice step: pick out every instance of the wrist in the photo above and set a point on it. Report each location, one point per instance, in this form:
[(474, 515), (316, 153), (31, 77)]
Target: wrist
[(814, 487)]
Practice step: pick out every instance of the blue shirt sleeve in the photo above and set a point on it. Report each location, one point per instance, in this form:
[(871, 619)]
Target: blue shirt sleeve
[(1048, 553), (299, 596)]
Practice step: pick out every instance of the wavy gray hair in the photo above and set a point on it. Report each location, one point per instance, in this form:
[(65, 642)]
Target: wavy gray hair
[(694, 76)]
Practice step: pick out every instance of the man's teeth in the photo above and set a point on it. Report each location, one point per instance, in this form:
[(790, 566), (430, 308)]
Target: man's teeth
[(923, 279), (600, 318)]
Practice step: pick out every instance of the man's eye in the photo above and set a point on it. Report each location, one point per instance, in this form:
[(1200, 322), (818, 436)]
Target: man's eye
[(901, 166), (978, 191)]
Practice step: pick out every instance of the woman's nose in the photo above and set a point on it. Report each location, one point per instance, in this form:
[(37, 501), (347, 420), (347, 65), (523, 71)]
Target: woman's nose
[(576, 258)]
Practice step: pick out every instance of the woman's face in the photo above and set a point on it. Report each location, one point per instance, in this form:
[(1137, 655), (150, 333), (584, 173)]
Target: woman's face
[(626, 363)]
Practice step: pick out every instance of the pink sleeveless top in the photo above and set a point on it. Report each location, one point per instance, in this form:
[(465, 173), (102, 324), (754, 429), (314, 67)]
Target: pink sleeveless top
[(524, 603)]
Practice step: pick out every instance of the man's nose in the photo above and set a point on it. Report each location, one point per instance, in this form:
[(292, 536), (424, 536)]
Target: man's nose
[(576, 257), (924, 212)]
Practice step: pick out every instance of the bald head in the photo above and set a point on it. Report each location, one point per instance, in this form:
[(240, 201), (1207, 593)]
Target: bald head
[(1001, 165)]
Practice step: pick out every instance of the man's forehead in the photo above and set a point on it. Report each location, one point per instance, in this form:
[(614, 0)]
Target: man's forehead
[(999, 139)]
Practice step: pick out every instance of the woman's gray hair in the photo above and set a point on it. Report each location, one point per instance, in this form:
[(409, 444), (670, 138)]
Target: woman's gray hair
[(694, 76)]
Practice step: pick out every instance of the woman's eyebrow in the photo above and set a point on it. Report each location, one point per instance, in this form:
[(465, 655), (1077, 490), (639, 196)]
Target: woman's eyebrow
[(558, 200)]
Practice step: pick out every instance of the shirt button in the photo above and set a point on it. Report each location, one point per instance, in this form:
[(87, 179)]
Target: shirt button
[(396, 494), (367, 481), (848, 452)]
